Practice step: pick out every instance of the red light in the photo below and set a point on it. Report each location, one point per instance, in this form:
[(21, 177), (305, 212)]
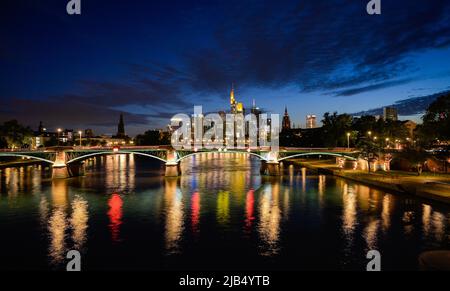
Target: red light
[(249, 209), (115, 215), (195, 207)]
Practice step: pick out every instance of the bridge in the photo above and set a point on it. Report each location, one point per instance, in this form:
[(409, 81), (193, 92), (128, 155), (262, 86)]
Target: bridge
[(67, 161)]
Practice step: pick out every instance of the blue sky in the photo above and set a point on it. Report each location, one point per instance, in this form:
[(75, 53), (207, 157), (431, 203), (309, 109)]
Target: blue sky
[(152, 59)]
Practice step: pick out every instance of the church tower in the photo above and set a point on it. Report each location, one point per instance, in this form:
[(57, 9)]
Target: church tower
[(121, 128), (286, 121)]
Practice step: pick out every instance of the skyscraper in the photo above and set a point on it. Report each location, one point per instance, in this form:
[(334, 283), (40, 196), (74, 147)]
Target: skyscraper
[(236, 107), (286, 125), (121, 128), (311, 121), (390, 113)]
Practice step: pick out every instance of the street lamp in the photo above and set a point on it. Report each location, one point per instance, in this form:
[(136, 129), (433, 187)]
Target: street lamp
[(59, 133), (369, 133), (348, 140), (79, 132)]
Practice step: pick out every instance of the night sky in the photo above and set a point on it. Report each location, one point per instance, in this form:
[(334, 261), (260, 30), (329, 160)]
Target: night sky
[(152, 59)]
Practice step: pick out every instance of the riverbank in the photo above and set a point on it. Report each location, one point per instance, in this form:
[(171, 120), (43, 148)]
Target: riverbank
[(427, 185)]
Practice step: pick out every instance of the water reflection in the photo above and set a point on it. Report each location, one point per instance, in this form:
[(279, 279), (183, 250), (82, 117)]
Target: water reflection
[(217, 200), (249, 210), (64, 221), (195, 208), (223, 207), (270, 218), (79, 221), (115, 204), (173, 200)]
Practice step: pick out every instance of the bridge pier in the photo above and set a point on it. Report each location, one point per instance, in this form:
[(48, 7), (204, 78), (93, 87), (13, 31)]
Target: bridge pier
[(62, 170), (173, 169), (273, 168), (270, 168), (263, 168)]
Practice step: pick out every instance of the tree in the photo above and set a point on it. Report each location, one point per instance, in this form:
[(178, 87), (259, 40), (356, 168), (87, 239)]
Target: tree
[(14, 134), (436, 121), (335, 128), (150, 137), (368, 147)]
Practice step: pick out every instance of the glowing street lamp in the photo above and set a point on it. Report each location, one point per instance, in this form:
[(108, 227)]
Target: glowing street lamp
[(369, 133), (59, 133), (348, 140), (79, 132)]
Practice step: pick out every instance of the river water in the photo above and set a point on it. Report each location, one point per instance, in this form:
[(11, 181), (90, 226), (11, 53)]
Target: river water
[(219, 215)]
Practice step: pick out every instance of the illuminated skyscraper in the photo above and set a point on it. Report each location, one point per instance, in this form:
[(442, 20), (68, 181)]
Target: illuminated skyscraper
[(311, 121), (236, 107)]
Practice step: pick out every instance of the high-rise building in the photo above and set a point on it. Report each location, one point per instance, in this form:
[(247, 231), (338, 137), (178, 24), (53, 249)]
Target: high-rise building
[(390, 113), (121, 128), (232, 100), (286, 124), (311, 121), (236, 107)]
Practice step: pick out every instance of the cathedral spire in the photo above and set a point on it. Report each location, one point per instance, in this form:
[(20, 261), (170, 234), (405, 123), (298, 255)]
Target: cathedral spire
[(121, 127)]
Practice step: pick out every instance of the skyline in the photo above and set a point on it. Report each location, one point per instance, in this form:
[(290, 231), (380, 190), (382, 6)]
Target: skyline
[(152, 60)]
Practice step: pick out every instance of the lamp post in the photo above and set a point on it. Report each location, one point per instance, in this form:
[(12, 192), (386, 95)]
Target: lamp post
[(369, 133), (59, 133), (79, 132), (348, 140)]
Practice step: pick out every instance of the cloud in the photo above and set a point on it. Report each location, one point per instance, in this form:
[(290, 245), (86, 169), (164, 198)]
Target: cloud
[(407, 107), (354, 91), (318, 45)]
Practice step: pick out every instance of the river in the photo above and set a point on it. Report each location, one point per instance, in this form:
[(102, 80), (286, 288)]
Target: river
[(219, 215)]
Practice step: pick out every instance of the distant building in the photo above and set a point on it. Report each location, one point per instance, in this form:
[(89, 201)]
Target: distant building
[(411, 126), (66, 135), (236, 107), (311, 121), (390, 113), (41, 128), (286, 124), (121, 128)]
